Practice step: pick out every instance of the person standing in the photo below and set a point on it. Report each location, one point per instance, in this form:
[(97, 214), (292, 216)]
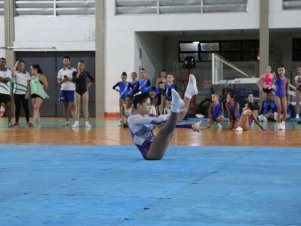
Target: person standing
[(65, 80), (298, 90), (81, 92), (5, 88), (38, 87), (21, 81), (281, 97)]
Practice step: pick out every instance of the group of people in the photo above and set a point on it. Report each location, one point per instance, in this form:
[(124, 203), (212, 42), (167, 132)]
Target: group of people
[(160, 94), (274, 107), (20, 85)]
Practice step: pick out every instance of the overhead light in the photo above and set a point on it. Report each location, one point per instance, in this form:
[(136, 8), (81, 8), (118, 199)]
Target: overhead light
[(197, 42)]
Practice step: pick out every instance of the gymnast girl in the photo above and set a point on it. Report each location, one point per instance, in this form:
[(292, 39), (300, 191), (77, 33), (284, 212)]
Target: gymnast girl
[(248, 116), (153, 147), (281, 97), (233, 109), (268, 80)]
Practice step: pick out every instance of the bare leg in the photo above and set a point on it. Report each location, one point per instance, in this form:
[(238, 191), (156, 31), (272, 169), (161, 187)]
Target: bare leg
[(161, 141), (72, 107), (78, 104), (298, 95), (279, 109), (66, 111), (85, 99), (37, 102), (284, 107)]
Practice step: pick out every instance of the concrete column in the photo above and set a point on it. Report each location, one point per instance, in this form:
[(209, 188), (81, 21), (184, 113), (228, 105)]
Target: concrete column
[(100, 58), (264, 37), (9, 31)]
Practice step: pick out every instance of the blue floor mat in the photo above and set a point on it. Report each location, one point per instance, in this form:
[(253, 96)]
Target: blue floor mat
[(113, 185)]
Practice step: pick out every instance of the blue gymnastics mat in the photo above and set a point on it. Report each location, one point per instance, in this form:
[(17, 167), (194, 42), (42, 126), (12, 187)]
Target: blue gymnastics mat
[(112, 185)]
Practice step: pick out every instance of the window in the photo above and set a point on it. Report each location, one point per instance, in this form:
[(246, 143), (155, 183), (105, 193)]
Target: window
[(297, 49), (1, 8), (124, 7), (234, 50), (291, 4), (54, 7)]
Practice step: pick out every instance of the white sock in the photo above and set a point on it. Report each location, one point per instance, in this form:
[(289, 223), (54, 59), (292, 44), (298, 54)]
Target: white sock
[(191, 89), (176, 103)]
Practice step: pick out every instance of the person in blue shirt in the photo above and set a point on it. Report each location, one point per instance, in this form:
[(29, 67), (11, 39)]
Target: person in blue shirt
[(268, 110), (123, 89)]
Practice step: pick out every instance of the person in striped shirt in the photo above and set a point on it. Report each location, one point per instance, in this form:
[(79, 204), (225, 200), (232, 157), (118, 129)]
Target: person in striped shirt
[(21, 80), (5, 89), (140, 124)]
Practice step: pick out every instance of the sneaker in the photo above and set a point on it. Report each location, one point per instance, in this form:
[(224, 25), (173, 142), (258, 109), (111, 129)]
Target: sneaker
[(297, 116), (283, 125), (16, 124), (10, 125), (219, 125), (29, 125), (88, 125), (275, 116), (66, 124), (75, 124), (239, 129), (279, 126), (262, 118)]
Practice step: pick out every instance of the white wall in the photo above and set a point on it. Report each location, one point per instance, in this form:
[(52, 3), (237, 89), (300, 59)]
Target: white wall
[(121, 43), (65, 33), (280, 18), (149, 53), (2, 37)]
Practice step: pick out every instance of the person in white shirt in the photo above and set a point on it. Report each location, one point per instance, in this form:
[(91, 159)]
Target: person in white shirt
[(21, 80), (5, 89), (67, 89), (298, 90)]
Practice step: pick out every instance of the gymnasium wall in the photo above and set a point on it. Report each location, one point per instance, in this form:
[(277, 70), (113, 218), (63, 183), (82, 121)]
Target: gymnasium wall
[(2, 37), (65, 33), (121, 41)]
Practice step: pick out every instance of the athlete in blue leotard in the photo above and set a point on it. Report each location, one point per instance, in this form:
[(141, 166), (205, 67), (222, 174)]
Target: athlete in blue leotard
[(123, 90), (281, 96), (233, 111)]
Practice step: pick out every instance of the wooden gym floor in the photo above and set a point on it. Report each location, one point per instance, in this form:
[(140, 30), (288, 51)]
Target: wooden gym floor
[(106, 132)]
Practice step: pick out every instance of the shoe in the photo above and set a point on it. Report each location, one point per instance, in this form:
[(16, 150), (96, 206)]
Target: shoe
[(66, 124), (279, 126), (262, 118), (10, 125), (29, 125), (297, 116), (219, 125), (283, 125), (16, 124), (88, 125), (239, 129), (36, 124), (75, 124), (275, 116)]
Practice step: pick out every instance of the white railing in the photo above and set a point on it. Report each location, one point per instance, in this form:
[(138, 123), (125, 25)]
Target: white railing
[(179, 6)]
